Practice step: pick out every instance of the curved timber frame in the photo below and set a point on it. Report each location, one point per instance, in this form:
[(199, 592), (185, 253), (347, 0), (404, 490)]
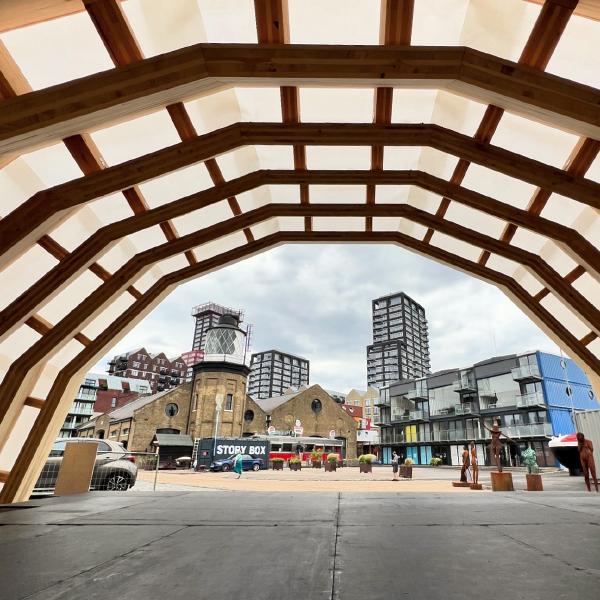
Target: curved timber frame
[(32, 119)]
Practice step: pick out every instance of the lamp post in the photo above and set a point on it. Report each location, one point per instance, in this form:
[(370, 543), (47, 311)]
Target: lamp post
[(218, 405)]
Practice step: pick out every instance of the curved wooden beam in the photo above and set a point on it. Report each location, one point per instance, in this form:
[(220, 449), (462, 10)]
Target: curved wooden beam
[(91, 102), (22, 478), (45, 210), (60, 276)]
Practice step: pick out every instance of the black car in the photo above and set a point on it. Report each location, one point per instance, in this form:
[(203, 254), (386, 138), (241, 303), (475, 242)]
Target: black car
[(248, 463)]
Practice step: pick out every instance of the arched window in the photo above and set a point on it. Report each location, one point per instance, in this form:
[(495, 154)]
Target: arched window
[(316, 406), (249, 416)]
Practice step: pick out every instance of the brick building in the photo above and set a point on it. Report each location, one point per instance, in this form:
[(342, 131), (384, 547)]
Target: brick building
[(161, 372)]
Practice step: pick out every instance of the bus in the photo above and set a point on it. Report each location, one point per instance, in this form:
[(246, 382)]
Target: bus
[(289, 446)]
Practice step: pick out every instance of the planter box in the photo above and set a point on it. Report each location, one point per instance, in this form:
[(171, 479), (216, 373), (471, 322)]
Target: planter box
[(366, 467), (330, 466), (316, 464), (502, 482), (406, 471), (277, 466), (534, 482), (295, 466)]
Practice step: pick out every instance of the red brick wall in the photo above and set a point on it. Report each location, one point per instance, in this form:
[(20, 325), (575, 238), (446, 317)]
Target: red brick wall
[(104, 398)]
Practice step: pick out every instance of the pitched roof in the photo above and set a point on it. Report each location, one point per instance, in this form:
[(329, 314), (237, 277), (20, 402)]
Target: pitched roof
[(126, 411), (270, 404)]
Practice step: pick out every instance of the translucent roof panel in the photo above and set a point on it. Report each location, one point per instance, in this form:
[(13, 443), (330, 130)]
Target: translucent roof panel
[(440, 27), (391, 194), (265, 194), (228, 21), (457, 113), (576, 55), (338, 157), (202, 218), (336, 105), (338, 224), (398, 158), (162, 25), (475, 220), (455, 246), (64, 49), (334, 21), (413, 106), (337, 194)]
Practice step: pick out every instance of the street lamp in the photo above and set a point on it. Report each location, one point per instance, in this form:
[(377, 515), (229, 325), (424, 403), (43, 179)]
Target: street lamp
[(218, 404)]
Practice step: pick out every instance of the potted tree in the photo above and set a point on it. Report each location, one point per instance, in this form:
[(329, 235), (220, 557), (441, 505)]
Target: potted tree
[(406, 469), (365, 462), (315, 458), (277, 464), (295, 464), (436, 461), (332, 461)]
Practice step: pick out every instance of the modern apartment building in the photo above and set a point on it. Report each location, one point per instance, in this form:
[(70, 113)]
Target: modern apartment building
[(400, 348), (532, 396), (162, 373), (96, 385), (273, 372), (207, 315)]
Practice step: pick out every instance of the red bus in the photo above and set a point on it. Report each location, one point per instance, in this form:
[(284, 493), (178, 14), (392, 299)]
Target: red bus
[(287, 446)]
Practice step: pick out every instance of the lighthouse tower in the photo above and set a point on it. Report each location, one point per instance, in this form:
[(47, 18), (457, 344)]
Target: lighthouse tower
[(219, 386)]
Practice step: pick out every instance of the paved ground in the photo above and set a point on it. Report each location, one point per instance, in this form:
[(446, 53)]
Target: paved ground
[(348, 479), (224, 544)]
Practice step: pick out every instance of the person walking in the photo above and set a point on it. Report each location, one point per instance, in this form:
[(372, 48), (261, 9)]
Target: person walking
[(238, 465), (395, 461)]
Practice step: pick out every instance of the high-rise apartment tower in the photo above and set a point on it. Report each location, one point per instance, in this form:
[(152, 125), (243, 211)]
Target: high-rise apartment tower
[(273, 372), (207, 315), (400, 348)]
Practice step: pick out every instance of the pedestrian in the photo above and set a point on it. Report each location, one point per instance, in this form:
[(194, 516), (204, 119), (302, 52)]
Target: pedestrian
[(586, 457), (395, 461), (238, 464)]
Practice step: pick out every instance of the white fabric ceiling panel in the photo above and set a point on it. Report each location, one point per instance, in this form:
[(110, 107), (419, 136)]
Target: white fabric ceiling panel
[(588, 287), (77, 228), (108, 315), (423, 199), (455, 246), (499, 186), (576, 56), (110, 209), (117, 255), (529, 240), (400, 158), (566, 317), (169, 265), (510, 21), (224, 244), (148, 279), (53, 165), (202, 218), (262, 195), (413, 106), (259, 103), (439, 27), (457, 113), (214, 111), (535, 140), (70, 297), (338, 157), (413, 229), (18, 182), (36, 262), (562, 210), (526, 280), (147, 238), (557, 258), (594, 347), (593, 172), (336, 105), (265, 228), (136, 137), (65, 354), (386, 223), (16, 344), (17, 438), (176, 185), (238, 162), (334, 21), (503, 265), (275, 157), (44, 383), (437, 163), (64, 49), (338, 224), (229, 21), (476, 220), (291, 223), (162, 25), (338, 194), (391, 194), (588, 225)]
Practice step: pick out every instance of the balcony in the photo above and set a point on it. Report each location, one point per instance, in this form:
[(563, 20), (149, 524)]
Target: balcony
[(450, 436), (413, 415), (526, 373), (488, 401), (466, 408), (529, 400), (521, 431), (417, 395), (464, 386)]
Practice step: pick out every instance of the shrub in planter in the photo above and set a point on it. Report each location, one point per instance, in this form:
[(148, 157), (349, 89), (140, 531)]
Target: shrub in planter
[(277, 464), (295, 464), (406, 469), (365, 462), (436, 461), (315, 458), (332, 461)]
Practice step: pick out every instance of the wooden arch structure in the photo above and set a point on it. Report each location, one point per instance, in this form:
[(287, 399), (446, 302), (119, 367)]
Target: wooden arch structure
[(163, 152)]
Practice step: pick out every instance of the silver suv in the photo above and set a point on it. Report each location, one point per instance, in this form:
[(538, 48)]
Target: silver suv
[(114, 468)]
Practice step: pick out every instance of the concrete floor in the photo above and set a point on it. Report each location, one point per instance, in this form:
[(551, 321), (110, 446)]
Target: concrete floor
[(250, 546)]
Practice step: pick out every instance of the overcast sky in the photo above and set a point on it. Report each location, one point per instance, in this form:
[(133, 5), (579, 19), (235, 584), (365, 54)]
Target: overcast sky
[(315, 301)]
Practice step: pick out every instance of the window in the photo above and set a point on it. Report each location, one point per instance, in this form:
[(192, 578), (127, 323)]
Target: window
[(316, 406), (228, 402), (249, 416), (171, 409), (113, 402)]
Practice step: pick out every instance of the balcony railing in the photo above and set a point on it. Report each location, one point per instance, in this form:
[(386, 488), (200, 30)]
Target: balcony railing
[(533, 399), (530, 430), (417, 394), (413, 415), (464, 385), (524, 372), (467, 408)]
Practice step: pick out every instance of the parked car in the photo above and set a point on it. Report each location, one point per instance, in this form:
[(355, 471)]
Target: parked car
[(248, 463), (114, 469)]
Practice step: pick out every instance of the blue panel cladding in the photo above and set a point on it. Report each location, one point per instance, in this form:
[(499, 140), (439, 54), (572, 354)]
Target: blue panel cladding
[(556, 395), (387, 455), (551, 368), (562, 422)]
